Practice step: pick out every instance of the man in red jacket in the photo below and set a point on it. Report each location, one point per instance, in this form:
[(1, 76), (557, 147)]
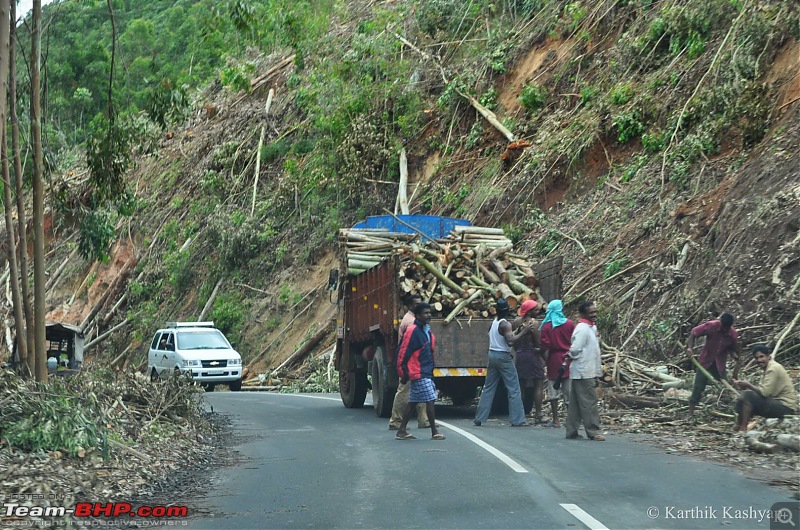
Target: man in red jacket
[(415, 365)]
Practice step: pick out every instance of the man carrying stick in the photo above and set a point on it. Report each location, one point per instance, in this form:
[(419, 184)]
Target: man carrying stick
[(721, 339)]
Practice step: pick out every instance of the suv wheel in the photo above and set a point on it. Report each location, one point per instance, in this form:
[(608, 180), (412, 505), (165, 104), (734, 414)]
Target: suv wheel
[(235, 386), (153, 374)]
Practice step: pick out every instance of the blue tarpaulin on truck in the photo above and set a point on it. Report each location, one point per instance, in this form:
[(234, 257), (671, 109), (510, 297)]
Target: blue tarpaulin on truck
[(432, 226)]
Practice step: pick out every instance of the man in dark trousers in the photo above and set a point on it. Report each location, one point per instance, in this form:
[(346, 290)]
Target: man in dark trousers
[(773, 398), (722, 339), (585, 368), (415, 365), (556, 334), (529, 361)]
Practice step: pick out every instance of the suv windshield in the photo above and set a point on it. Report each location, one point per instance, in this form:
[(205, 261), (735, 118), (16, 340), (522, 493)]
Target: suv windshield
[(202, 340)]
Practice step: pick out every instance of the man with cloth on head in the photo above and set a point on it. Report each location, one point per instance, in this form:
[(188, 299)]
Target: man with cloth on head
[(556, 331), (415, 363), (773, 398), (529, 360)]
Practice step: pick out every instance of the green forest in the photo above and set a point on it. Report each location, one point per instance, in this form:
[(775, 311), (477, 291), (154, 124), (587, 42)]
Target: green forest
[(656, 100)]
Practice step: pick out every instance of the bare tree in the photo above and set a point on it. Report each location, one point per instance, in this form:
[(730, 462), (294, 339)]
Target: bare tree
[(39, 352), (21, 340), (19, 186)]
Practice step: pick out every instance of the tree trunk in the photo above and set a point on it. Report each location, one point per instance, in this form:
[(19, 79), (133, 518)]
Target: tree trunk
[(18, 184), (402, 193), (39, 280), (21, 339)]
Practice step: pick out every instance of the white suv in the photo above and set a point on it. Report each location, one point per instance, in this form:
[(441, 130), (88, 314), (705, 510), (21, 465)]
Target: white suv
[(198, 349)]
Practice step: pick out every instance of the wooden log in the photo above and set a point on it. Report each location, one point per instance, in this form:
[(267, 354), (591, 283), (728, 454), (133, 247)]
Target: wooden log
[(504, 291), (210, 301), (655, 374), (753, 443), (105, 335), (371, 248), (500, 269), (519, 287), (634, 402), (444, 279), (303, 350), (488, 244), (370, 256), (790, 441), (488, 274), (496, 253), (461, 305), (480, 283), (361, 264), (529, 278), (478, 230), (675, 384)]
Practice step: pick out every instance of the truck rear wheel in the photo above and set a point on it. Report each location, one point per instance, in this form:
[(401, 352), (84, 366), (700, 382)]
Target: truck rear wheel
[(353, 388), (382, 394)]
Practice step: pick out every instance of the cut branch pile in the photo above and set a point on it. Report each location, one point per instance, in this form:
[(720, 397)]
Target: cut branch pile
[(461, 274)]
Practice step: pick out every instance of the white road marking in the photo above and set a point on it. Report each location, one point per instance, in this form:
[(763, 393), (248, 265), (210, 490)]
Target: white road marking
[(507, 460), (584, 517), (304, 396)]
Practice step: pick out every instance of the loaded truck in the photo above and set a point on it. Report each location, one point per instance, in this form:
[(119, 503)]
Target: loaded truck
[(370, 308)]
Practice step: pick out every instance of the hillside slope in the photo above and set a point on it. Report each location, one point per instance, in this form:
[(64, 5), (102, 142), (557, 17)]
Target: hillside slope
[(662, 143)]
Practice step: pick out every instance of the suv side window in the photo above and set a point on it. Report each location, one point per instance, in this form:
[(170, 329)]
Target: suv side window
[(154, 344), (170, 338)]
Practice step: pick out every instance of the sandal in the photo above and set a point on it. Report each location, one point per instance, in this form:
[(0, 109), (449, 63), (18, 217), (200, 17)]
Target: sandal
[(598, 438), (405, 436), (438, 436)]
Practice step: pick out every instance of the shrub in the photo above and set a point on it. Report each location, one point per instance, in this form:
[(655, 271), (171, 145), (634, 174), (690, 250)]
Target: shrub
[(628, 125), (621, 94), (533, 97), (274, 151), (614, 266), (229, 313)]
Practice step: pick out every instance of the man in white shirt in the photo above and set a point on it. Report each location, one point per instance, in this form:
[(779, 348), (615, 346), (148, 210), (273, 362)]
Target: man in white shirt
[(583, 371)]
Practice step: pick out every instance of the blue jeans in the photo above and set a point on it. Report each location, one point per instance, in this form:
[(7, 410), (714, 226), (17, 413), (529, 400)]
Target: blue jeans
[(501, 364)]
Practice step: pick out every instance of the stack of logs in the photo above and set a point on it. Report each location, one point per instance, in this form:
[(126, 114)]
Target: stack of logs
[(461, 274)]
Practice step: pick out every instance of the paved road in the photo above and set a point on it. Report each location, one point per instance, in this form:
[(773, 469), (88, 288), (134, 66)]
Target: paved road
[(308, 462)]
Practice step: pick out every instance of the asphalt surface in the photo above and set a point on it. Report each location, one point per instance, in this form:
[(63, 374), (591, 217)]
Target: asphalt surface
[(306, 461)]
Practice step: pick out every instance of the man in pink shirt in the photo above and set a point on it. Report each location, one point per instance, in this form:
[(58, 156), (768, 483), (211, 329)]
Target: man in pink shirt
[(721, 339)]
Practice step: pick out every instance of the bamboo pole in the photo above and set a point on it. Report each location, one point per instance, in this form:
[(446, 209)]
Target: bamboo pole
[(444, 279), (461, 305), (784, 334)]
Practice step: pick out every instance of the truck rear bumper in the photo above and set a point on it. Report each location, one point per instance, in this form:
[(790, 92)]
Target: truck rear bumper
[(459, 372)]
